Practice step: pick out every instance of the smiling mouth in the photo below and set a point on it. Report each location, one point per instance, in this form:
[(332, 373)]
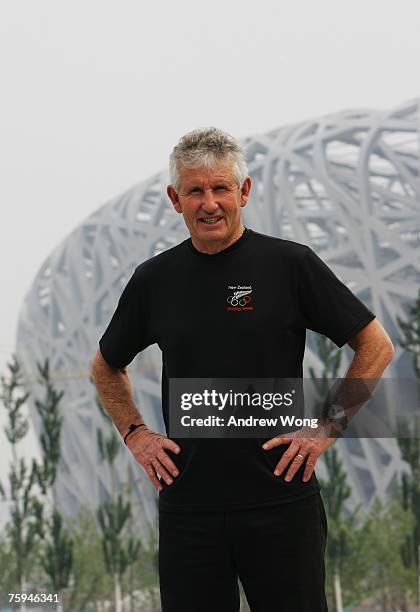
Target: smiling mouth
[(210, 220)]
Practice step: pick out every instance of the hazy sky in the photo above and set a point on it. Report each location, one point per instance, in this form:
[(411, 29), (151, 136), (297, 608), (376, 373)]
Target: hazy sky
[(96, 93)]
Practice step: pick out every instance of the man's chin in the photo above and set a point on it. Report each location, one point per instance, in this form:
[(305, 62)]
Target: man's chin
[(218, 231)]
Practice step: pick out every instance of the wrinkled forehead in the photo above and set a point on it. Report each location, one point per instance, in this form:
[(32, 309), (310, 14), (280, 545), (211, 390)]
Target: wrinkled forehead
[(219, 171)]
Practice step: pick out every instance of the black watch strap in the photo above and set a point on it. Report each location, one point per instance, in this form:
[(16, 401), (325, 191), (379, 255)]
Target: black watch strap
[(131, 428)]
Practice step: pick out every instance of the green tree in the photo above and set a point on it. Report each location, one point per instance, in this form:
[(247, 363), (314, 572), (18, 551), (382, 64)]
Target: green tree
[(51, 423), (8, 583), (410, 327), (56, 552), (409, 443), (90, 579), (384, 531), (25, 508)]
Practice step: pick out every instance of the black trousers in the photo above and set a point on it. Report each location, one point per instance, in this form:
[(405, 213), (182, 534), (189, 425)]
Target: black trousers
[(277, 552)]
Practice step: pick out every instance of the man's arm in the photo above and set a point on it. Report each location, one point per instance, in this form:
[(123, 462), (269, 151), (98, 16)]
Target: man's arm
[(373, 352), (114, 390), (148, 447)]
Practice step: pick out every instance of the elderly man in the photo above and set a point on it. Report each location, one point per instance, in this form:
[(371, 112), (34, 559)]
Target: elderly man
[(232, 508)]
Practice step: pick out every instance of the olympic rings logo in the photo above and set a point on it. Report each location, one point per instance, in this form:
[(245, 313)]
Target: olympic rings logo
[(239, 301)]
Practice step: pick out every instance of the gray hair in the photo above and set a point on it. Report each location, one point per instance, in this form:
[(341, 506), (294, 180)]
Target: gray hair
[(205, 147)]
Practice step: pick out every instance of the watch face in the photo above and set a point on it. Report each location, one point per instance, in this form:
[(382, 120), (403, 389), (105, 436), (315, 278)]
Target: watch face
[(336, 412)]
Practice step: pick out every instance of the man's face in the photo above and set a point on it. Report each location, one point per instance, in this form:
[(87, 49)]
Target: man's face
[(210, 201)]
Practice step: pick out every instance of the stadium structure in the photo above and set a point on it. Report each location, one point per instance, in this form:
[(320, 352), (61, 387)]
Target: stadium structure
[(346, 184)]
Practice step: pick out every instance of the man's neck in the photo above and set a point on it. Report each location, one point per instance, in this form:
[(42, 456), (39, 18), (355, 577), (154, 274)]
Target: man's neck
[(217, 247)]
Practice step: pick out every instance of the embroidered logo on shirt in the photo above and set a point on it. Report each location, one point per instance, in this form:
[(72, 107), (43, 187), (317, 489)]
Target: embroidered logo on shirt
[(239, 297)]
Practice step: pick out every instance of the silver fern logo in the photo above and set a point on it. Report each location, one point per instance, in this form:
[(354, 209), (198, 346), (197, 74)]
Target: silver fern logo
[(239, 297)]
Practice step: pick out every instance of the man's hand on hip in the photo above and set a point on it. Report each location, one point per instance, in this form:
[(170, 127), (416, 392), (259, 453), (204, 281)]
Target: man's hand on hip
[(149, 449), (303, 448)]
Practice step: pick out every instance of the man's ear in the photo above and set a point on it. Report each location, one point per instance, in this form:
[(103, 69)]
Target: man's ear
[(173, 196), (245, 189)]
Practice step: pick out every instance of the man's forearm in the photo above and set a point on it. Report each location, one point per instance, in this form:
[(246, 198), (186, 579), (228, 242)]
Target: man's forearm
[(114, 390), (365, 370)]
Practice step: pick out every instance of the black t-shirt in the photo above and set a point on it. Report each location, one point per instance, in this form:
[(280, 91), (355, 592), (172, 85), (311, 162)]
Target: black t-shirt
[(182, 300)]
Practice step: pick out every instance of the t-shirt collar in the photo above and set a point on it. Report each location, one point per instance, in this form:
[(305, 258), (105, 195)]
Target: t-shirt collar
[(232, 247)]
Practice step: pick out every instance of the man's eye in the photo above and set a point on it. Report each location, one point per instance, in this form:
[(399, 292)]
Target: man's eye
[(220, 188)]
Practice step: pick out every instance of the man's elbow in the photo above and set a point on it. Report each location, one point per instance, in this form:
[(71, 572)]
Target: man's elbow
[(374, 339), (384, 350), (388, 350)]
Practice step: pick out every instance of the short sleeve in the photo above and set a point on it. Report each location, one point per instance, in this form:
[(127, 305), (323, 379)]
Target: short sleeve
[(326, 305), (128, 332)]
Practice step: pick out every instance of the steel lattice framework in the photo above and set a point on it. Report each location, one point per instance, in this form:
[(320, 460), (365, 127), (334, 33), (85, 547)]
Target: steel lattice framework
[(346, 184)]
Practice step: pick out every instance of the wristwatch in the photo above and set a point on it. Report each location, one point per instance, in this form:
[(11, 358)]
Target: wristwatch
[(336, 414)]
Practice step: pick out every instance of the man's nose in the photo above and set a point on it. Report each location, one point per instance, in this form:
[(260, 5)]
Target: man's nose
[(209, 204)]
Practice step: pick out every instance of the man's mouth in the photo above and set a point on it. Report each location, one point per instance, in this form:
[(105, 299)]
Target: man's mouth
[(210, 220)]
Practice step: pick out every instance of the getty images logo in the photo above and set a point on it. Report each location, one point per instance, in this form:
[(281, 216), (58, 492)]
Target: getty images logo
[(239, 297)]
